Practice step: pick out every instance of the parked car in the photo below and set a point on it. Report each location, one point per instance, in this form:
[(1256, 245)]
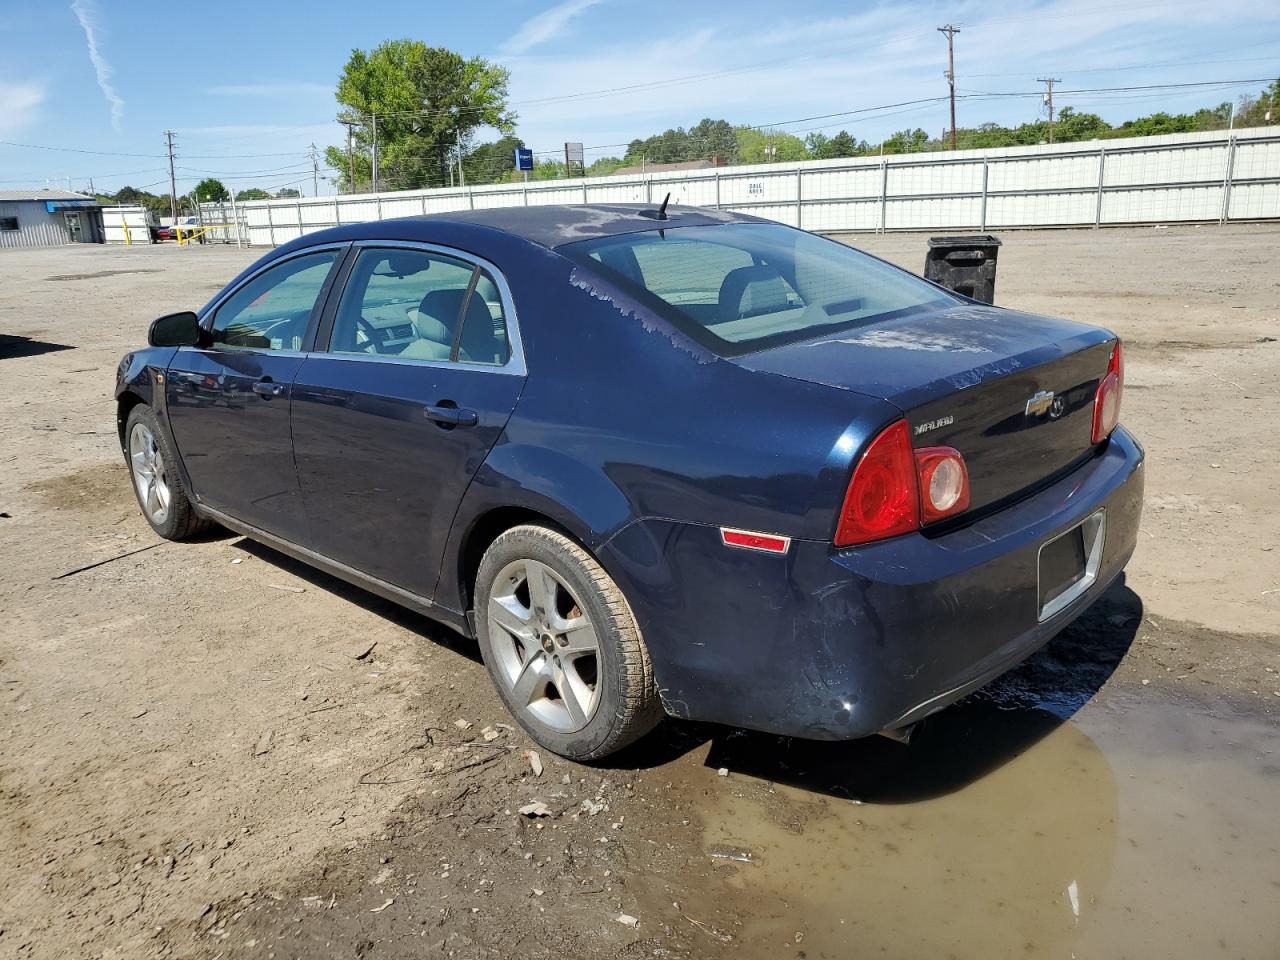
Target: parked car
[(654, 461)]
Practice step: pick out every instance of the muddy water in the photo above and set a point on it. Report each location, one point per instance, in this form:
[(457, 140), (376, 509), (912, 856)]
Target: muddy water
[(1137, 824)]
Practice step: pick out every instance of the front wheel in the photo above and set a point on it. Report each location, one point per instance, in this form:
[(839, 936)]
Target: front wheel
[(156, 481), (562, 646)]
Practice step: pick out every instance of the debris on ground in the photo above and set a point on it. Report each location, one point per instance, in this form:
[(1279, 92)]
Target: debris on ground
[(264, 743), (536, 809), (627, 920), (362, 649), (384, 906), (535, 762), (592, 807), (462, 724)]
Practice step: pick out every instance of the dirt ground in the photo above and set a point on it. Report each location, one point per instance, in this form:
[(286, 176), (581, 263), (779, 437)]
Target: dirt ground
[(209, 750)]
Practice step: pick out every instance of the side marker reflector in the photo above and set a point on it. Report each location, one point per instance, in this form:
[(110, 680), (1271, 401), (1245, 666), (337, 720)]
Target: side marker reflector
[(749, 540)]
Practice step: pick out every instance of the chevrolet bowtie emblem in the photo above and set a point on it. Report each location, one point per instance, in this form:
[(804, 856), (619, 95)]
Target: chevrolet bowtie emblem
[(1039, 403)]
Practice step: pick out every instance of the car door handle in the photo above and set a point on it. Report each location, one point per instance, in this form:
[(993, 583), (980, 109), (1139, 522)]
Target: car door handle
[(268, 389), (447, 414)]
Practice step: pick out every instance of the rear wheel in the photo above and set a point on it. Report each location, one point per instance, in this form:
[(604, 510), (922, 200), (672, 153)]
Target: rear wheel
[(562, 646), (156, 481)]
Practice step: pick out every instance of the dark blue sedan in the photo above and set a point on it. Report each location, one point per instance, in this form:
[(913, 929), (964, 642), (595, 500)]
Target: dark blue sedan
[(655, 461)]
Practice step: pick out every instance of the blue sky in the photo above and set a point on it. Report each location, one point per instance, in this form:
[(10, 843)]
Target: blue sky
[(248, 86)]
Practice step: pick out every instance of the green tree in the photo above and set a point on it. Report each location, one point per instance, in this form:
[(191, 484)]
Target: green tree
[(210, 190), (907, 141), (709, 139), (492, 162), (252, 193), (428, 102), (603, 166), (768, 146), (288, 193), (841, 145)]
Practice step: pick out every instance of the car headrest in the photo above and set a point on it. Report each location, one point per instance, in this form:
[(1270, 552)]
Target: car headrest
[(438, 315), (749, 291)]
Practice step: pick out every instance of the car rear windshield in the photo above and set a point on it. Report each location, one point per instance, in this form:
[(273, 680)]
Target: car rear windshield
[(741, 287)]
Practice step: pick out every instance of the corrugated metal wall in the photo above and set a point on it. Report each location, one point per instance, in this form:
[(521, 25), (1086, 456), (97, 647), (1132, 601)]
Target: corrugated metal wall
[(1181, 177), (37, 227)]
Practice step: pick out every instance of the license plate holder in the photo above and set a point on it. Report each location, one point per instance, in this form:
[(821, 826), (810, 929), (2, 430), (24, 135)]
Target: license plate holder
[(1067, 565)]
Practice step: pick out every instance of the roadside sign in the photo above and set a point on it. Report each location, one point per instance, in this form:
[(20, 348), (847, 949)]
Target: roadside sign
[(524, 159)]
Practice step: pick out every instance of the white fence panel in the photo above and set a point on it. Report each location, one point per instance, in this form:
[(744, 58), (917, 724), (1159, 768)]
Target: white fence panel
[(1176, 178)]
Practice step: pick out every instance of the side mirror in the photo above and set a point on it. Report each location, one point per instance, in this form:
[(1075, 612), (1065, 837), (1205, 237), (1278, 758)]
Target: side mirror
[(175, 330)]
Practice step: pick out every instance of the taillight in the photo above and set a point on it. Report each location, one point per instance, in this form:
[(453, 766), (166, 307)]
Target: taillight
[(944, 483), (881, 500), (1106, 402)]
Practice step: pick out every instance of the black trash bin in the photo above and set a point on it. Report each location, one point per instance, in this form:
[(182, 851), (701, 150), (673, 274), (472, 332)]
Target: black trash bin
[(966, 265)]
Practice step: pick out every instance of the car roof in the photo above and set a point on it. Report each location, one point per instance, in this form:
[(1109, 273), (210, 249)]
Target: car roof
[(554, 225)]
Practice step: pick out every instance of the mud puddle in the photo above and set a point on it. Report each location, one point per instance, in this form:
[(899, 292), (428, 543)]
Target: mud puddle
[(1134, 823)]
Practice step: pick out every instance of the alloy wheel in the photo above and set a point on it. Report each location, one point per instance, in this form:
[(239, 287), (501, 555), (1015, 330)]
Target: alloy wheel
[(149, 474), (545, 644)]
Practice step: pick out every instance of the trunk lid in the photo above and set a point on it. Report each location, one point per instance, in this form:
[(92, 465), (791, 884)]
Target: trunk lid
[(1013, 392)]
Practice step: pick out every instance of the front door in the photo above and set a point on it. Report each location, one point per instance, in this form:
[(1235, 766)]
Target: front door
[(229, 402), (74, 229), (394, 419)]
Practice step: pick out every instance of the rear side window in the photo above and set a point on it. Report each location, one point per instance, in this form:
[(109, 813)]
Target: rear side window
[(742, 287), (272, 311), (420, 305)]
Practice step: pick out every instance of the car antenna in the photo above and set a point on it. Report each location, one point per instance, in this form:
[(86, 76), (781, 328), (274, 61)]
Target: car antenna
[(662, 210)]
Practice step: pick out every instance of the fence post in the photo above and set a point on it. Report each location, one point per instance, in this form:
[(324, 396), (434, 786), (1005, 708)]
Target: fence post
[(337, 213), (984, 195), (1102, 164), (717, 188), (423, 198), (299, 216), (377, 200), (1226, 179), (884, 192), (648, 190), (799, 196), (524, 192), (271, 226)]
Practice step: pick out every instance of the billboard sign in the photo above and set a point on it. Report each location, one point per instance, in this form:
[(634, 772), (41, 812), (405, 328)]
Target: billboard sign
[(524, 159)]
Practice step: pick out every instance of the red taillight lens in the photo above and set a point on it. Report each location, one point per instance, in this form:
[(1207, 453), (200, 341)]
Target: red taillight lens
[(881, 500), (1106, 402), (944, 483)]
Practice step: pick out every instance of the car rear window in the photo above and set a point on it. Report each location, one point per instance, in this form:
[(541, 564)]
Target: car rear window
[(745, 286)]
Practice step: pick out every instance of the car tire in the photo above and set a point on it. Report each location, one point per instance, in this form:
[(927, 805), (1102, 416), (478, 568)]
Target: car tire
[(562, 646), (155, 479)]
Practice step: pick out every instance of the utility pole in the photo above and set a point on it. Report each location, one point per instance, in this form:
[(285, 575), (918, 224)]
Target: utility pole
[(351, 159), (374, 171), (173, 183), (1048, 99), (950, 32), (315, 172)]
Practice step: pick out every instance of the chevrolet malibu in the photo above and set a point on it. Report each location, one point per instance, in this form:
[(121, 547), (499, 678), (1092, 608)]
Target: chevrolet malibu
[(655, 461)]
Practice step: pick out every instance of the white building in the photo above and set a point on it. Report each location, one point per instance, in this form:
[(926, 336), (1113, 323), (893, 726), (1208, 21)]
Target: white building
[(48, 218)]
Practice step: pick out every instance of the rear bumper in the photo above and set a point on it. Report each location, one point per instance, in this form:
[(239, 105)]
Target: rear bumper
[(837, 644)]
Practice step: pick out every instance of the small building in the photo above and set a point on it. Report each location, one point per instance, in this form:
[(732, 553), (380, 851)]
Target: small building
[(48, 218)]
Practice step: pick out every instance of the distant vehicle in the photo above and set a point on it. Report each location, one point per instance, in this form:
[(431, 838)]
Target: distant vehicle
[(685, 461), (188, 225)]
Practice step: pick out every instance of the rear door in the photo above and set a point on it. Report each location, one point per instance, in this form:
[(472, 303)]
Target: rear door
[(228, 403), (421, 372)]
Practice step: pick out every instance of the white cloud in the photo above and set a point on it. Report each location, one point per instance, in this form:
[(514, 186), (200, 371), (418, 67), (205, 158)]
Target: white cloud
[(87, 13), (546, 25), (18, 102)]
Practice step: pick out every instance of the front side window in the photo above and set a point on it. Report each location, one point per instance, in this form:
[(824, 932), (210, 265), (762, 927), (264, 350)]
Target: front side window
[(272, 311), (420, 305), (742, 287)]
